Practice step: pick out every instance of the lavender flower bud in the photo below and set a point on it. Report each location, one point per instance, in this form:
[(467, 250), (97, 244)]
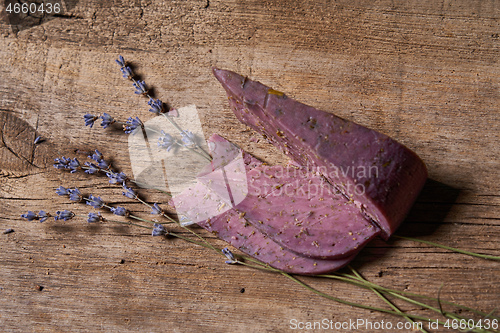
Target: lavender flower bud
[(159, 230), (106, 120), (120, 61), (62, 191), (188, 138), (94, 217), (75, 195), (129, 192), (140, 87), (61, 163), (90, 119), (156, 106), (131, 125), (229, 255), (103, 164), (43, 215), (119, 211), (115, 178), (95, 202), (30, 216), (97, 156), (73, 165), (92, 168), (127, 72), (166, 141), (156, 209), (64, 215)]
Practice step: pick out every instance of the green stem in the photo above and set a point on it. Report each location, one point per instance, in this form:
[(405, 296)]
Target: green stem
[(484, 256), (339, 300), (386, 300), (367, 284)]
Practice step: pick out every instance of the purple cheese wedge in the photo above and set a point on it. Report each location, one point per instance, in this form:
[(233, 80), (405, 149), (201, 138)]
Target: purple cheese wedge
[(381, 176), (289, 236), (235, 227)]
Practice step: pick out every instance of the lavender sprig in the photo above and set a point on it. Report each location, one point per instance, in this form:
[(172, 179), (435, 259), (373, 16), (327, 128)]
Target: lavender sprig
[(157, 107)]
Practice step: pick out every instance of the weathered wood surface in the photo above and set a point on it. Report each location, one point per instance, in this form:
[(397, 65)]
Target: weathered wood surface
[(425, 73)]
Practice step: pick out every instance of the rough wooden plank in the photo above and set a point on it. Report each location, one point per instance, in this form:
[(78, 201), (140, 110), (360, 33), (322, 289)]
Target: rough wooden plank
[(424, 73)]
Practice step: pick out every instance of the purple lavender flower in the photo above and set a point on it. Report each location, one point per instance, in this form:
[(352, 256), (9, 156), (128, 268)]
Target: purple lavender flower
[(95, 202), (92, 168), (187, 138), (64, 215), (106, 120), (166, 141), (156, 209), (94, 217), (67, 163), (61, 163), (127, 72), (129, 192), (101, 163), (43, 215), (62, 191), (73, 165), (75, 194), (159, 230), (156, 106), (115, 178), (119, 211), (38, 140), (140, 87), (229, 255), (120, 61), (97, 156), (90, 119), (131, 125), (30, 216)]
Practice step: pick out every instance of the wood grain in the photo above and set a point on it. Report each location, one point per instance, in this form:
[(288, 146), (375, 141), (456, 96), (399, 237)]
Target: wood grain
[(425, 73)]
